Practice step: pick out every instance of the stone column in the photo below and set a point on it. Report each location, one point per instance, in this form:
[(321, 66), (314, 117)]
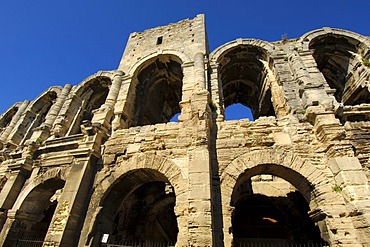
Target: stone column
[(14, 121), (217, 93), (105, 113), (54, 110), (199, 71), (20, 171), (124, 108), (115, 88)]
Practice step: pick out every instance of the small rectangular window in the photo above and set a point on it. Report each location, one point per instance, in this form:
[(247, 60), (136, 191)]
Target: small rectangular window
[(159, 40)]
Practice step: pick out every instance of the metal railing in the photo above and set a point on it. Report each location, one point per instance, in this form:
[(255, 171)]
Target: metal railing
[(32, 243), (138, 244), (278, 244)]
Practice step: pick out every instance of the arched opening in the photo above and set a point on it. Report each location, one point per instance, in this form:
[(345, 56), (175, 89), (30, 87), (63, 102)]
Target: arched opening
[(34, 216), (32, 117), (91, 97), (268, 209), (243, 75), (3, 180), (7, 116), (340, 60), (158, 91), (237, 112), (139, 208)]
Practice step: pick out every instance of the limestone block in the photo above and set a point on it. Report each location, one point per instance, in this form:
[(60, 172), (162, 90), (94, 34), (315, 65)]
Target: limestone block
[(199, 178), (313, 96), (344, 164), (133, 148), (282, 139), (361, 221), (358, 192), (199, 191), (351, 178), (199, 161), (200, 206)]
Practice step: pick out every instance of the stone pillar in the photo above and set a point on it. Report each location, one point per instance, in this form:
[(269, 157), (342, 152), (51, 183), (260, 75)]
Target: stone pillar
[(200, 222), (352, 182), (114, 90), (199, 171), (227, 211), (67, 115), (14, 121), (54, 110), (199, 71), (66, 224), (124, 107), (20, 171)]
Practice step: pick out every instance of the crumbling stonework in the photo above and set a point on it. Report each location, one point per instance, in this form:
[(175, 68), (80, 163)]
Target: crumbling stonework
[(100, 163)]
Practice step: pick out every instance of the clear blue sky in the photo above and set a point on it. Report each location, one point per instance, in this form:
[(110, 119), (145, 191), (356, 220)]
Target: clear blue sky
[(50, 42)]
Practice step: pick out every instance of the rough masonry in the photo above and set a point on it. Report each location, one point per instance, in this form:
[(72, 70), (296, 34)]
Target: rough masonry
[(101, 164)]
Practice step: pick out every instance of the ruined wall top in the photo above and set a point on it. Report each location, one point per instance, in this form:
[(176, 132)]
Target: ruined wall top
[(183, 39)]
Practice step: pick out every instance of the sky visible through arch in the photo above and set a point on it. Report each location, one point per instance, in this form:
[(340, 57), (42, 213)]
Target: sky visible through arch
[(46, 42)]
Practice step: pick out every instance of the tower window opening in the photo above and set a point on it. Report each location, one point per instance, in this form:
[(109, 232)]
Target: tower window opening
[(159, 40)]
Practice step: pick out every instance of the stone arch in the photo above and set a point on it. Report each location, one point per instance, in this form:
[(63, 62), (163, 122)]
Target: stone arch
[(53, 173), (34, 208), (309, 181), (216, 54), (340, 56), (7, 116), (37, 104), (85, 83), (3, 179), (33, 116), (243, 69), (149, 161), (305, 40), (84, 98), (182, 57), (155, 88), (163, 168), (7, 121)]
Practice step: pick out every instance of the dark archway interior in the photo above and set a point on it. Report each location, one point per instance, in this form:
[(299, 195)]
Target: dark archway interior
[(277, 218), (92, 98), (41, 109), (139, 209), (242, 76), (35, 213), (262, 219), (335, 58), (158, 92), (6, 118)]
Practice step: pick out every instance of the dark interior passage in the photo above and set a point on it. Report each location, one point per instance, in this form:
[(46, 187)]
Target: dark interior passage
[(139, 208), (158, 92), (262, 219)]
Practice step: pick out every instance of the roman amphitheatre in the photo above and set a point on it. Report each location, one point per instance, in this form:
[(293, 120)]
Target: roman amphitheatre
[(101, 164)]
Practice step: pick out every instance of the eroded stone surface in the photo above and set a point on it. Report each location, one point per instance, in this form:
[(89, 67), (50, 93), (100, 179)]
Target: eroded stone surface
[(102, 160)]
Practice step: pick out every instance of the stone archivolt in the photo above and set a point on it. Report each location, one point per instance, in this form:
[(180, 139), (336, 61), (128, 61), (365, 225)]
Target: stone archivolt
[(100, 163)]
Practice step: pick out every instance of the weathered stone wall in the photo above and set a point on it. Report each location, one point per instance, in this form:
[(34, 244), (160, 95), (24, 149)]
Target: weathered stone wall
[(102, 159)]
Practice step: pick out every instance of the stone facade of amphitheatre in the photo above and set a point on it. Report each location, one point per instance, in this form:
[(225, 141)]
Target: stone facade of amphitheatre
[(101, 159)]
